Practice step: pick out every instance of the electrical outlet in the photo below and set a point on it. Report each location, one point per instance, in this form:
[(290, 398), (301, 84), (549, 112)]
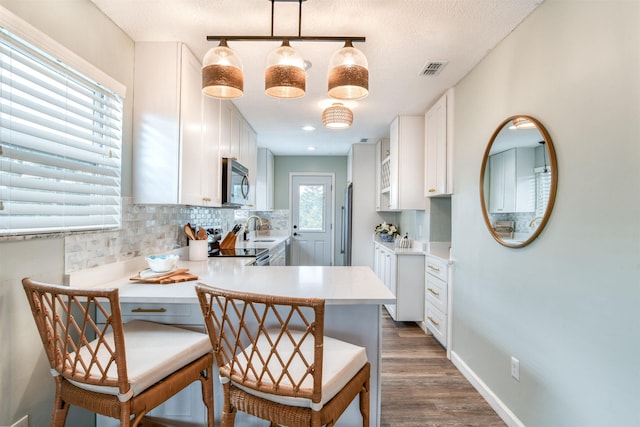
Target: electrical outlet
[(515, 368)]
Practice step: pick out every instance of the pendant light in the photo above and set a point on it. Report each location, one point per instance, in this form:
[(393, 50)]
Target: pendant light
[(337, 116), (348, 74), (222, 75), (285, 76)]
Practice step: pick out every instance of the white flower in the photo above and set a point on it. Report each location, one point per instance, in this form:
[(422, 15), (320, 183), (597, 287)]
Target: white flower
[(390, 229)]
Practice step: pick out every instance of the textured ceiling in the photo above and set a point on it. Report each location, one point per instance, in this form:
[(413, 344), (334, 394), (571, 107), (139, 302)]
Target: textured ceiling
[(402, 36)]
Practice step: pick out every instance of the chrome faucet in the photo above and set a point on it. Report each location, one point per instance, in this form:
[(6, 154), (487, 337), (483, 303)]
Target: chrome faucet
[(246, 225)]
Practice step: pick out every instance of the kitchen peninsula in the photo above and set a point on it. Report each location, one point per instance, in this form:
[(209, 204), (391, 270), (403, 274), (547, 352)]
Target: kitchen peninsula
[(354, 297)]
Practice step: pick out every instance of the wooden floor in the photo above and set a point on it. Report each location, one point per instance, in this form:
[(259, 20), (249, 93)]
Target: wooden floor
[(421, 387)]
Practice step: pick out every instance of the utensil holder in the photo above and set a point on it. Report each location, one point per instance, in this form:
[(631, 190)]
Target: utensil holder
[(229, 241), (198, 250)]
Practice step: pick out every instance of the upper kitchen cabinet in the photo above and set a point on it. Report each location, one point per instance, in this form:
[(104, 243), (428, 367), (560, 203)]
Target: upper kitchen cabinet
[(400, 168), (265, 180), (168, 160), (238, 141), (438, 151)]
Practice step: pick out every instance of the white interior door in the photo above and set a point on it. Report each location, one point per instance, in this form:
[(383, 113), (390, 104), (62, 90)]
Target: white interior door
[(311, 197)]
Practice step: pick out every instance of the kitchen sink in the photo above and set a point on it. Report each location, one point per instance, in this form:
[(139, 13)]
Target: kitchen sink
[(264, 240)]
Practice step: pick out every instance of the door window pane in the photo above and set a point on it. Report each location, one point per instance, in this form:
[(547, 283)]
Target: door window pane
[(311, 211)]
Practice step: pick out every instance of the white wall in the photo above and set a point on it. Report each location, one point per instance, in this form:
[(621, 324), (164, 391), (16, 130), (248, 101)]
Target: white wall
[(567, 305), (25, 382)]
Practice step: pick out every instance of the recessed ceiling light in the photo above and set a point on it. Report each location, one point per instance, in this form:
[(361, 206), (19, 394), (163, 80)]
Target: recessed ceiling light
[(311, 148), (308, 128)]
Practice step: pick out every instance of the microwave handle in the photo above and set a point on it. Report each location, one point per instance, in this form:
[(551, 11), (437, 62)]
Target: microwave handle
[(245, 186)]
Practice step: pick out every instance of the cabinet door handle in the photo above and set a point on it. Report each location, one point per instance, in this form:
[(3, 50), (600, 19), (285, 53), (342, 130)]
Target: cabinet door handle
[(433, 291), (434, 268), (432, 320), (149, 310)]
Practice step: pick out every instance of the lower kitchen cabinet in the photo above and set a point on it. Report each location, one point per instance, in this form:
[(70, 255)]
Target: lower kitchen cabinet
[(185, 408), (403, 275), (278, 254), (436, 298)]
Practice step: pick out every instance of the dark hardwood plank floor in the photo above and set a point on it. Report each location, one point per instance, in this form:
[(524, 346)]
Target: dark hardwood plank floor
[(421, 387)]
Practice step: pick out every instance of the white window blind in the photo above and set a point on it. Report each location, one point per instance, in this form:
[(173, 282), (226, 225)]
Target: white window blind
[(60, 145), (543, 189)]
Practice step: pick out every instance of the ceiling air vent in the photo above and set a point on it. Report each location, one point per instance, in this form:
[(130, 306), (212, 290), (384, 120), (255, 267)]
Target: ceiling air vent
[(433, 68)]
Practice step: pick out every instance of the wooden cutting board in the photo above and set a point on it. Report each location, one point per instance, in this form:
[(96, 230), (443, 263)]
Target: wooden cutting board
[(180, 275)]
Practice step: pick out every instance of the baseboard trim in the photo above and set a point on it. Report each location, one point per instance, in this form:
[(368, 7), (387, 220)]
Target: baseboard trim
[(498, 405)]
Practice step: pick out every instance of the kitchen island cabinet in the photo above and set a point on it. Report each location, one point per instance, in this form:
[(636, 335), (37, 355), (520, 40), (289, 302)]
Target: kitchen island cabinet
[(354, 297)]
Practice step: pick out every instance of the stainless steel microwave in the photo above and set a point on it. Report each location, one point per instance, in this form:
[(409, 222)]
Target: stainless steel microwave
[(235, 183)]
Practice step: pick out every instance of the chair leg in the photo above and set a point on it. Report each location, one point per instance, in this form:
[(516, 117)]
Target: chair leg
[(228, 411), (60, 407), (228, 418), (207, 394), (364, 403), (60, 411), (125, 416)]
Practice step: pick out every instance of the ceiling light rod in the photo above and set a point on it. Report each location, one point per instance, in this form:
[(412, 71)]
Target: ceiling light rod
[(290, 38), (299, 37)]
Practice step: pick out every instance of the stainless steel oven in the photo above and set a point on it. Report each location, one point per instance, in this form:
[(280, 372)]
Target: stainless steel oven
[(235, 183)]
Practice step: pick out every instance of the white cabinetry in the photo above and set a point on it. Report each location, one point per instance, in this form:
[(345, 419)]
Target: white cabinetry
[(403, 275), (438, 152), (265, 180), (212, 170), (436, 296), (167, 150), (179, 135), (186, 407), (404, 166), (238, 140), (512, 181), (278, 255)]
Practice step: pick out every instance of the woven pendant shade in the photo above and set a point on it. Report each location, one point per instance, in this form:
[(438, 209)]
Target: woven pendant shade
[(222, 75), (285, 76), (337, 117), (348, 74)]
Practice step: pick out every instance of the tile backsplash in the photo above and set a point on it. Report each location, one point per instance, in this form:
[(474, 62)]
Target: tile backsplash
[(151, 229)]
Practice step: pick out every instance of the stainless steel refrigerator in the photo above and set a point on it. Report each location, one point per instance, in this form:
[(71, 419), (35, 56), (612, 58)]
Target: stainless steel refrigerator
[(347, 217)]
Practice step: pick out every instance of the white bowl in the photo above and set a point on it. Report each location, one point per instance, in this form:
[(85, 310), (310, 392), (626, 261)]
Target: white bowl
[(162, 263)]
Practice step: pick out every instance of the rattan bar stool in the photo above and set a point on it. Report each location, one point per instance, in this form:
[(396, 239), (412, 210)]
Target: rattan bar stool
[(275, 363), (118, 370)]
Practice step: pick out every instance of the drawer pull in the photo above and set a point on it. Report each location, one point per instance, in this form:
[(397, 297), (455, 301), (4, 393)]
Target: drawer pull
[(434, 268), (433, 291), (149, 310), (432, 320), (432, 190)]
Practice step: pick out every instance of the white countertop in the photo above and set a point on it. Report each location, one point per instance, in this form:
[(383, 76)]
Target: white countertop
[(262, 239), (437, 249), (336, 285)]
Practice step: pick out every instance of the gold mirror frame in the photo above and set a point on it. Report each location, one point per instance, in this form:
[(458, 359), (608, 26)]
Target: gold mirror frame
[(551, 154)]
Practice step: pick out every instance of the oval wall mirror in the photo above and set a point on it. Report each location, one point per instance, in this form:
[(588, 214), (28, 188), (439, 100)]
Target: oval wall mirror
[(518, 181)]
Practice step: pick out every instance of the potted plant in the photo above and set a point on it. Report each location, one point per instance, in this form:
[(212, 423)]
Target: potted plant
[(387, 232)]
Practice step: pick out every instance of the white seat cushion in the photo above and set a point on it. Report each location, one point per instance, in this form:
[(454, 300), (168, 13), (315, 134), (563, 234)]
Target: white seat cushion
[(341, 361), (153, 351)]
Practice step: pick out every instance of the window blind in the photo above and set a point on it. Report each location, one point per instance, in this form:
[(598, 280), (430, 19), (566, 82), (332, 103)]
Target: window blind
[(543, 189), (60, 145)]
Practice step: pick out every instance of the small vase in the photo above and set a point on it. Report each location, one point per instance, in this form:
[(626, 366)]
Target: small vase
[(386, 237)]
